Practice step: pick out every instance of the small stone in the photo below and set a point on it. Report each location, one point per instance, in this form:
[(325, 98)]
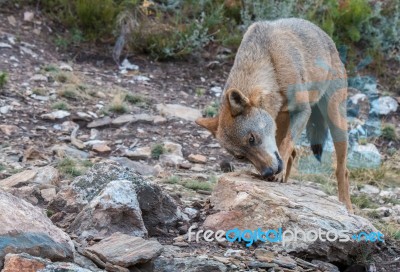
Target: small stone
[(100, 122), (222, 259), (60, 114), (28, 16), (264, 255), (173, 148), (125, 250), (141, 78), (141, 168), (170, 160), (39, 77), (324, 266), (139, 153), (22, 262), (255, 264), (185, 165), (17, 179), (285, 261), (11, 20), (197, 168), (48, 194), (84, 115), (159, 120), (66, 67), (143, 118), (176, 110), (5, 109), (384, 105), (123, 119), (101, 148), (234, 253), (9, 129), (192, 213), (370, 189), (197, 158), (47, 175), (126, 65), (5, 45), (65, 150), (216, 90), (94, 133)]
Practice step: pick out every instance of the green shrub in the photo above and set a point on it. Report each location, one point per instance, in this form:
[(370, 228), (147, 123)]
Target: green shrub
[(389, 132), (60, 105), (118, 105), (3, 80), (363, 201), (173, 180), (157, 150), (137, 99), (197, 185), (211, 110), (71, 168)]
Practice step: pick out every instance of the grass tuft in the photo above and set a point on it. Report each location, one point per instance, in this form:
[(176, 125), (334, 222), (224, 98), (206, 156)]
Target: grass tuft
[(197, 185), (3, 80), (60, 105), (71, 168), (157, 150), (389, 132), (118, 105)]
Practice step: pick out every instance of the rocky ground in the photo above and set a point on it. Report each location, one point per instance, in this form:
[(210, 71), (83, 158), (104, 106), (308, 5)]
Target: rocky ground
[(96, 159)]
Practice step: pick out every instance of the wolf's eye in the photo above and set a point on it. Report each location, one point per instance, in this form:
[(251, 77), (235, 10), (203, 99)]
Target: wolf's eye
[(252, 140)]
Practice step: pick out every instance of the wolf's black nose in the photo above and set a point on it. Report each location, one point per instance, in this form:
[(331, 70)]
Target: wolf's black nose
[(267, 172)]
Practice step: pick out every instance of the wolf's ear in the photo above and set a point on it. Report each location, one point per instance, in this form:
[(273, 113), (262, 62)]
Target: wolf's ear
[(237, 102), (209, 123)]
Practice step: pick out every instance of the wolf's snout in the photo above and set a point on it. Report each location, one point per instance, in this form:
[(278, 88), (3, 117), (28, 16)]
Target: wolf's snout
[(267, 172)]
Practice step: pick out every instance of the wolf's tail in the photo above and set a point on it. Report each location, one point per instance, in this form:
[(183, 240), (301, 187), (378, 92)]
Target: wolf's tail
[(317, 131)]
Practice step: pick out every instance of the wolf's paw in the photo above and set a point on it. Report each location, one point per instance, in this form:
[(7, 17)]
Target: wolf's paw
[(278, 177)]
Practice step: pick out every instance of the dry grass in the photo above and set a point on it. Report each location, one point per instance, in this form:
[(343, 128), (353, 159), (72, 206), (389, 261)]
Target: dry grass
[(118, 104)]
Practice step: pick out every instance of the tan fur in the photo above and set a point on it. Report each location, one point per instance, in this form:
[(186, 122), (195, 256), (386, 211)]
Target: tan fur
[(284, 68)]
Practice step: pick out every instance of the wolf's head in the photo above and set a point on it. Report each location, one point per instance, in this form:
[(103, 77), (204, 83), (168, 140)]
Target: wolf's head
[(246, 131)]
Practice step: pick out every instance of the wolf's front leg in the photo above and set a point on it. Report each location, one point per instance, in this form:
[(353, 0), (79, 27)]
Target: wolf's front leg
[(289, 127)]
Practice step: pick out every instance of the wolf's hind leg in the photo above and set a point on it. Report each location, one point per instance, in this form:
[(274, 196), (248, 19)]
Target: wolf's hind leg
[(335, 114)]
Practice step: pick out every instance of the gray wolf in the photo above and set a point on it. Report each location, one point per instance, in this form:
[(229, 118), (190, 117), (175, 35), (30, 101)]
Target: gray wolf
[(287, 76)]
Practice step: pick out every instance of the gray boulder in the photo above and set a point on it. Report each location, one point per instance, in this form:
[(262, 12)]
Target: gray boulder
[(25, 228), (159, 210)]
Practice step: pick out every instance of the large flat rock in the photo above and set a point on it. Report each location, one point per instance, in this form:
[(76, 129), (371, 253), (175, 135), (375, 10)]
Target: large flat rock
[(125, 250), (245, 202)]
